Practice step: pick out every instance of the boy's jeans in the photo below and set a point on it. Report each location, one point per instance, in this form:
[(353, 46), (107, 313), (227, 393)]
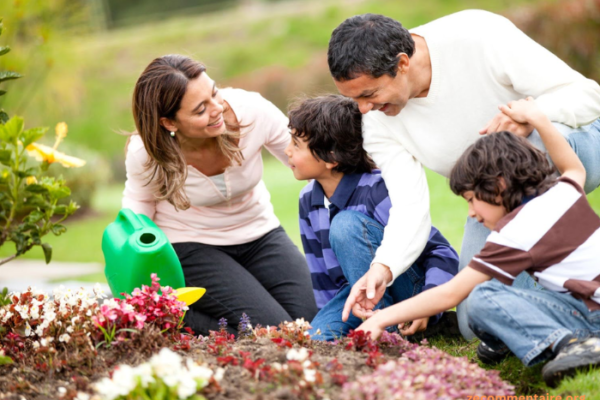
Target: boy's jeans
[(585, 141), (528, 321), (354, 238)]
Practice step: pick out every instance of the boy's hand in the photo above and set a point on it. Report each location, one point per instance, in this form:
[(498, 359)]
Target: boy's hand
[(372, 327), (367, 292), (418, 325), (524, 111), (503, 122)]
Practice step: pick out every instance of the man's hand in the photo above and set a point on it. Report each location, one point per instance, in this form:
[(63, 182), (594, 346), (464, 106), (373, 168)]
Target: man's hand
[(410, 328), (367, 292), (502, 122)]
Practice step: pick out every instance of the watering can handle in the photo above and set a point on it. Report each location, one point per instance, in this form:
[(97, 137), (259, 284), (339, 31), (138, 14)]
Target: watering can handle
[(128, 216)]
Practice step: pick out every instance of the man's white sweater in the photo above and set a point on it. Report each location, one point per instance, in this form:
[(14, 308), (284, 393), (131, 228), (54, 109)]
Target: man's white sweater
[(479, 60)]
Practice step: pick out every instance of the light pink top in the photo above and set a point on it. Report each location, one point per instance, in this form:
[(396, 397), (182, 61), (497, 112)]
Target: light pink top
[(242, 216)]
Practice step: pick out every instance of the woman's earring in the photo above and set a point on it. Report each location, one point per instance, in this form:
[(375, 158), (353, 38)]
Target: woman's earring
[(172, 134)]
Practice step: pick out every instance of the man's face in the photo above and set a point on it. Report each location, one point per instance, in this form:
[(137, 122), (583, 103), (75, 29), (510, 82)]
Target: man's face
[(386, 94)]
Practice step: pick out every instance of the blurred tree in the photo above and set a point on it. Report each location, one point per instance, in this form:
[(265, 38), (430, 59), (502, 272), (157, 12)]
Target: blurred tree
[(34, 25), (568, 28)]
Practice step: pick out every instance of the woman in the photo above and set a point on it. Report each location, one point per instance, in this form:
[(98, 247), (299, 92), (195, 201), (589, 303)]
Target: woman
[(195, 168)]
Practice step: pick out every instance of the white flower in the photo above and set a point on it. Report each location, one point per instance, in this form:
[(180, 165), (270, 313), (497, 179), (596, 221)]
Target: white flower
[(125, 379), (36, 344), (186, 388), (144, 372), (172, 380), (199, 373), (23, 310), (165, 363), (26, 330), (310, 375), (70, 329), (276, 366), (82, 396), (64, 338), (219, 373), (46, 341), (61, 391), (298, 355), (7, 316), (107, 389), (99, 292)]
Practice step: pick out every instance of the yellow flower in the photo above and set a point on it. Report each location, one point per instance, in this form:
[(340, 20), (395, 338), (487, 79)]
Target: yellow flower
[(30, 179), (61, 133), (49, 154)]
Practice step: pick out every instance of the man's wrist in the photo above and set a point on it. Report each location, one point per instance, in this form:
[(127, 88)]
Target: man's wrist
[(384, 270)]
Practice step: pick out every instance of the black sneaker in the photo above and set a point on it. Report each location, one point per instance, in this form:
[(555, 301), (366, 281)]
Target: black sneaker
[(447, 326), (578, 353), (489, 356)]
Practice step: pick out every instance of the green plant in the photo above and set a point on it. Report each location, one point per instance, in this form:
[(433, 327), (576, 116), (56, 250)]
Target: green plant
[(5, 76), (29, 200)]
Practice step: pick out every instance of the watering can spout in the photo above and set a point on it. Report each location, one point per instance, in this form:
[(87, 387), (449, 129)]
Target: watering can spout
[(189, 295)]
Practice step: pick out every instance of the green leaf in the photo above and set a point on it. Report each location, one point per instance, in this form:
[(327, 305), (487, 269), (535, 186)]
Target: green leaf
[(3, 117), (13, 128), (60, 210), (8, 75), (60, 192), (58, 229), (32, 135), (36, 188), (47, 252), (5, 360), (35, 216), (4, 50), (2, 92), (5, 157)]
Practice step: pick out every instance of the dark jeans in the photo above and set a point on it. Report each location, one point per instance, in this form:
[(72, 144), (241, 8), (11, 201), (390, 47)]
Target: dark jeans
[(267, 279)]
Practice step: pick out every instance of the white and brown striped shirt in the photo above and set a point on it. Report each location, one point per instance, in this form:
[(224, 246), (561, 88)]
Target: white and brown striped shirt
[(555, 238)]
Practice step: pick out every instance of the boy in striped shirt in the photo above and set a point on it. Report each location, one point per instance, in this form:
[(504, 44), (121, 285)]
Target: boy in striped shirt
[(539, 224), (343, 212)]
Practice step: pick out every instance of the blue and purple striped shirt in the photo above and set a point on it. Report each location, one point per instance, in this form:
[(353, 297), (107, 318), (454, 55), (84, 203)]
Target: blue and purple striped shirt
[(365, 193)]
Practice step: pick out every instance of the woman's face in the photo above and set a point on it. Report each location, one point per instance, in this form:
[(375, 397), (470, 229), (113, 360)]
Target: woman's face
[(200, 115)]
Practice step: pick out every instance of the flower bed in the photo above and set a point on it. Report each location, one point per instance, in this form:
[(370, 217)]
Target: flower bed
[(71, 347)]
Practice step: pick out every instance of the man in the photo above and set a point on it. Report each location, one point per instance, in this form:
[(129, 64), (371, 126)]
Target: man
[(427, 95)]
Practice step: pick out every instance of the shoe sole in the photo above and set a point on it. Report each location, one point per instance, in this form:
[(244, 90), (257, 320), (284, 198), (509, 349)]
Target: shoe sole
[(553, 373)]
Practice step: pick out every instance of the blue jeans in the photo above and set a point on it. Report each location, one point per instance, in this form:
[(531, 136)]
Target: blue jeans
[(585, 141), (354, 239), (528, 321)]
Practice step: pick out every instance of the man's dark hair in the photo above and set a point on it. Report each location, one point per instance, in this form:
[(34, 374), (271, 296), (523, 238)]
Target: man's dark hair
[(332, 127), (368, 44), (525, 170)]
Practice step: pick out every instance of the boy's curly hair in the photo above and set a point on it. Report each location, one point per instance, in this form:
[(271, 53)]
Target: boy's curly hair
[(524, 169), (332, 127)]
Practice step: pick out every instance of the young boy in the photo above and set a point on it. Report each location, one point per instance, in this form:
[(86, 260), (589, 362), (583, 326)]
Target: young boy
[(540, 225), (343, 211)]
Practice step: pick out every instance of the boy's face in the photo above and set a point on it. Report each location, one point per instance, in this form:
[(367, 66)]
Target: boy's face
[(486, 213), (302, 161)]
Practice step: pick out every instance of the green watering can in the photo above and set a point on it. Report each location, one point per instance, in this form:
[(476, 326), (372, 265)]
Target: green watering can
[(134, 247)]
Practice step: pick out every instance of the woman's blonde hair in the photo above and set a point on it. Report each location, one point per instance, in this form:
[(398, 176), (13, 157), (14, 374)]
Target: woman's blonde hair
[(157, 94)]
